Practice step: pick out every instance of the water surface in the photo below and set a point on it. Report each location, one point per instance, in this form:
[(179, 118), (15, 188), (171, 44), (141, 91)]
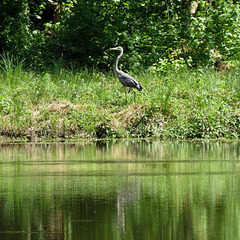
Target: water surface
[(120, 190)]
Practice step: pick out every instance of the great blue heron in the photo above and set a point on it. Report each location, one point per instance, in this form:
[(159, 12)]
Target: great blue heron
[(124, 78)]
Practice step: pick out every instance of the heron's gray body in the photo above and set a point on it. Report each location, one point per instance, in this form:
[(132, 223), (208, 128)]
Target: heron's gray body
[(124, 78), (128, 81)]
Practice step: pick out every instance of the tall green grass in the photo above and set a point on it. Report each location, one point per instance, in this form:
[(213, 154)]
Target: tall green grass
[(63, 103)]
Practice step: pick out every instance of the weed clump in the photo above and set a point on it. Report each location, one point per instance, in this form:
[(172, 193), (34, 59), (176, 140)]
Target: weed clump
[(103, 130)]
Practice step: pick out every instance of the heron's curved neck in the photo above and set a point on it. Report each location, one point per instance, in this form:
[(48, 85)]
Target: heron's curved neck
[(115, 68)]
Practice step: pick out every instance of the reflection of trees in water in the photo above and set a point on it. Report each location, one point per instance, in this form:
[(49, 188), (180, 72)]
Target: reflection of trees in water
[(117, 150), (160, 212), (193, 199)]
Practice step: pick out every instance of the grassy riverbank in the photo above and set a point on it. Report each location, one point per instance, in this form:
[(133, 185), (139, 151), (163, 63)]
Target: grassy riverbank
[(180, 104)]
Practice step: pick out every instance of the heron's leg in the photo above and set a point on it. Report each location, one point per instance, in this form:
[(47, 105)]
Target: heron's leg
[(125, 93), (130, 89)]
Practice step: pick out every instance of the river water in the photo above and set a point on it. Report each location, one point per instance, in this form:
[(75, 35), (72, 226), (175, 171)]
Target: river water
[(120, 190)]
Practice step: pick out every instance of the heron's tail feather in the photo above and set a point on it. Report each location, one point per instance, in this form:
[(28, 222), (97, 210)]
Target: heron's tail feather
[(139, 87)]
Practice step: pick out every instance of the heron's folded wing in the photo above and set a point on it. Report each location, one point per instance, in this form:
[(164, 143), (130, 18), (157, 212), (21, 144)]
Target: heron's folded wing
[(127, 80)]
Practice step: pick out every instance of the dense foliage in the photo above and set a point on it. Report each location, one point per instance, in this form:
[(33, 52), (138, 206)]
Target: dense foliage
[(153, 33)]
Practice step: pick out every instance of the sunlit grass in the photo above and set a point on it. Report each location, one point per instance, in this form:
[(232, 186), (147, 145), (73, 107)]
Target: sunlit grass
[(62, 103)]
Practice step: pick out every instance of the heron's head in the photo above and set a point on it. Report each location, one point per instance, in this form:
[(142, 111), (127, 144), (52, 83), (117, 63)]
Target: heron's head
[(117, 48)]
